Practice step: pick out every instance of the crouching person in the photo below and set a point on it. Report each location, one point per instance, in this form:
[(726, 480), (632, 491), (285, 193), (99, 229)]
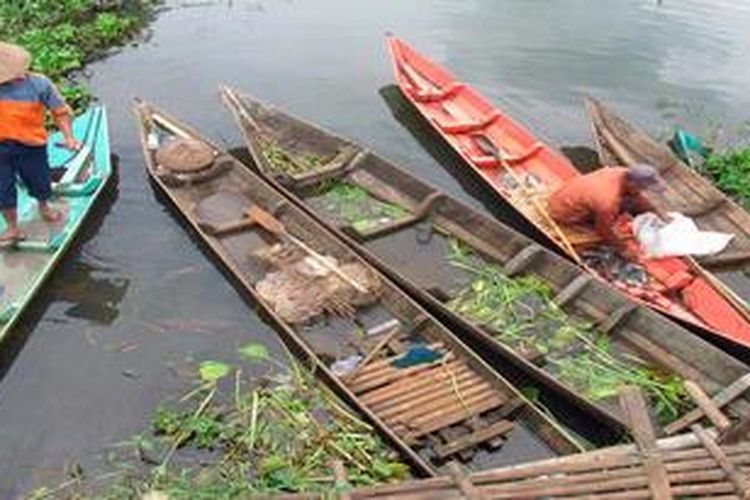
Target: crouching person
[(24, 100)]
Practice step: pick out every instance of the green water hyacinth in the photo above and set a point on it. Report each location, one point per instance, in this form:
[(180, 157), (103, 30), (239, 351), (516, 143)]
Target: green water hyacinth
[(520, 312)]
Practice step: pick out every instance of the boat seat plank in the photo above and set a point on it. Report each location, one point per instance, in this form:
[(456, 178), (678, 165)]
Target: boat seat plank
[(573, 289), (522, 259), (618, 317), (499, 428), (427, 96), (465, 127)]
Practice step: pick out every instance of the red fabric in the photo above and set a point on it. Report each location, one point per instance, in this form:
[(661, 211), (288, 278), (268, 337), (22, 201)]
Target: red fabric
[(716, 311)]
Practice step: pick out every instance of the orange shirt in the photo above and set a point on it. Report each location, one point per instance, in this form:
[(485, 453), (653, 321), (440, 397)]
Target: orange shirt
[(22, 109), (596, 198)]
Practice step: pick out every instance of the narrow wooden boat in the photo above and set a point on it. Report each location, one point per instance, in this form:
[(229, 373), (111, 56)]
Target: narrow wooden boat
[(622, 143), (78, 179), (429, 394), (424, 239), (524, 172)]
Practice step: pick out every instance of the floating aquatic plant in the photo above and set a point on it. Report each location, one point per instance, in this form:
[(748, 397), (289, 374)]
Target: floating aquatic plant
[(730, 171), (233, 437), (521, 313), (358, 208)]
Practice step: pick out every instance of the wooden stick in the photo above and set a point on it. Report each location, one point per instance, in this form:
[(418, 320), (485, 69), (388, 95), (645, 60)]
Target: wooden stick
[(737, 479), (709, 408), (444, 403), (634, 407), (723, 398), (342, 483), (390, 377), (463, 482)]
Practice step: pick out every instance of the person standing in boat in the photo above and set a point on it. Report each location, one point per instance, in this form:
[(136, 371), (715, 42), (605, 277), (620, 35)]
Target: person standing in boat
[(24, 99), (599, 198)]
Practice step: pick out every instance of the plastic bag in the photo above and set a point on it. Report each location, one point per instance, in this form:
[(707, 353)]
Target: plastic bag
[(676, 238)]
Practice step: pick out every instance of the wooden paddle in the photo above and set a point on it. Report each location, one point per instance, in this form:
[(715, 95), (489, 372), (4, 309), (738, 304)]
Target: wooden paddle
[(275, 226), (487, 146)]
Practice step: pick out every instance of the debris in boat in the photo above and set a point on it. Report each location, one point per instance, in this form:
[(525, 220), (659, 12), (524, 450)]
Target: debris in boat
[(281, 161), (302, 288), (521, 313), (417, 354), (614, 267), (358, 208), (347, 365), (185, 155)]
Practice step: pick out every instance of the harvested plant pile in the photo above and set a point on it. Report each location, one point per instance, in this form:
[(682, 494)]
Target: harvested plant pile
[(357, 208), (234, 437), (283, 162), (730, 171), (520, 312), (302, 287)]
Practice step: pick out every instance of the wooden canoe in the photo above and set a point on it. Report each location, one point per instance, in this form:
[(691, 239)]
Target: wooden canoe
[(450, 401), (415, 250), (620, 142), (78, 180), (531, 171)]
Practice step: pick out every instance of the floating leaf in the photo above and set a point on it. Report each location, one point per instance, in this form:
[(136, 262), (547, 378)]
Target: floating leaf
[(254, 351), (211, 371)]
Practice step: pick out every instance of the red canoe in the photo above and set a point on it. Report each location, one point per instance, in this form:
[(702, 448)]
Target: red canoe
[(524, 171)]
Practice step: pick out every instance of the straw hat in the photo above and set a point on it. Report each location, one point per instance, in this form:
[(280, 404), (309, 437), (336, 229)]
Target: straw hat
[(14, 62), (185, 155)]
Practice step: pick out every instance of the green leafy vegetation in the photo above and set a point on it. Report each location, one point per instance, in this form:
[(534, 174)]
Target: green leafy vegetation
[(730, 171), (357, 207), (236, 437), (63, 35), (283, 162), (521, 313)]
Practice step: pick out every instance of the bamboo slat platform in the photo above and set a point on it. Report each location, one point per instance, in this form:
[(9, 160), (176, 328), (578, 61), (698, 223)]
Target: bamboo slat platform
[(699, 464), (695, 467)]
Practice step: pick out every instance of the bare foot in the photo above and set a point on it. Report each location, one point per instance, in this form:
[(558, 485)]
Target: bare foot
[(50, 214), (11, 237)]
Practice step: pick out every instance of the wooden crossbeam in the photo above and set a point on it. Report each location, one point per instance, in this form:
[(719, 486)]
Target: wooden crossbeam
[(739, 481), (709, 408), (634, 407), (723, 398)]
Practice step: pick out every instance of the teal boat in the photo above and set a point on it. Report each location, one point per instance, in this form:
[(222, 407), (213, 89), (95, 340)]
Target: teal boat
[(78, 178)]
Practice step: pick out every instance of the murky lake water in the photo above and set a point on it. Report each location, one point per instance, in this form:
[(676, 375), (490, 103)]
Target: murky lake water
[(136, 302)]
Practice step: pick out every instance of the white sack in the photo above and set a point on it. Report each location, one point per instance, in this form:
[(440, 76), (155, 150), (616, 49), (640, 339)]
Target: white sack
[(677, 238)]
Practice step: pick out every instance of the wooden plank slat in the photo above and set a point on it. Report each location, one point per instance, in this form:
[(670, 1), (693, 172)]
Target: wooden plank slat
[(738, 480), (634, 407), (391, 376), (381, 394), (477, 437), (522, 259), (431, 393), (447, 404), (427, 425)]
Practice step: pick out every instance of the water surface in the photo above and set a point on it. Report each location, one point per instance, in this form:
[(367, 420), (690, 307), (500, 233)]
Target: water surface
[(136, 303)]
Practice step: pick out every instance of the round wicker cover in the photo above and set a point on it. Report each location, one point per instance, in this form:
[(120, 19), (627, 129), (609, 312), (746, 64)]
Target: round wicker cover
[(185, 155)]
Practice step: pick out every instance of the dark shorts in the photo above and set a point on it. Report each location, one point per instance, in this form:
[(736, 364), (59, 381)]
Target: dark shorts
[(31, 164)]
